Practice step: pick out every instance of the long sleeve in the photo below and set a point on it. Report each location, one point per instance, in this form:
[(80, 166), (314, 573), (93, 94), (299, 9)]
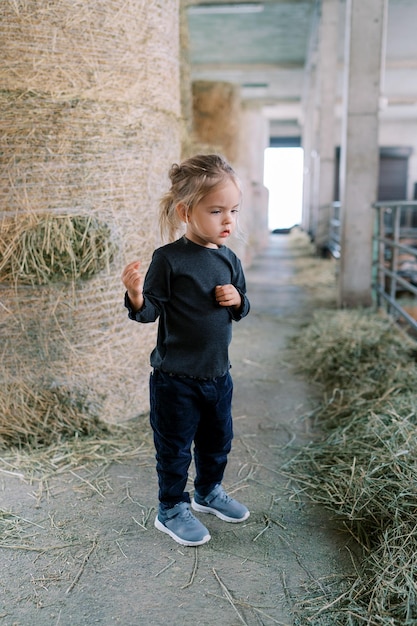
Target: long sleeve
[(156, 291), (194, 331), (240, 284)]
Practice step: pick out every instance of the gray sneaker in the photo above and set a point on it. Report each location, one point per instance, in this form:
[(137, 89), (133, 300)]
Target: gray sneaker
[(180, 524), (221, 505)]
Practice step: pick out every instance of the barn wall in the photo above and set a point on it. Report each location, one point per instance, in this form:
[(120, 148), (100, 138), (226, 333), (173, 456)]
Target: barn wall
[(398, 133), (402, 134)]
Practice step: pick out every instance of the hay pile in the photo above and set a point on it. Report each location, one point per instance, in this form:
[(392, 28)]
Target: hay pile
[(36, 415), (38, 249), (315, 274), (365, 468)]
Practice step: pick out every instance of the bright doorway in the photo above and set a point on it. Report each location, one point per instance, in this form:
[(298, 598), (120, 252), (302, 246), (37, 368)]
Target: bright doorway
[(283, 176)]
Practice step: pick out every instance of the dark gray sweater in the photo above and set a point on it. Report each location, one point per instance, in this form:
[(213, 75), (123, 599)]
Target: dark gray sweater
[(194, 332)]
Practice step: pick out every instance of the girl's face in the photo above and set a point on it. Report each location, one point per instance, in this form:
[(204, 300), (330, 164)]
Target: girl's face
[(212, 220)]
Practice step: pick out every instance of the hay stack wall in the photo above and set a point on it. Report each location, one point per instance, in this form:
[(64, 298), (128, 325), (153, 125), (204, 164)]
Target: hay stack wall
[(89, 94)]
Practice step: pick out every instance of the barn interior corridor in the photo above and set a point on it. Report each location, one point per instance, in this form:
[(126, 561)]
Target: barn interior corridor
[(88, 552)]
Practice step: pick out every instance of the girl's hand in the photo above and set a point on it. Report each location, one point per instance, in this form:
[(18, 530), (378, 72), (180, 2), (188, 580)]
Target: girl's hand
[(228, 295), (133, 281)]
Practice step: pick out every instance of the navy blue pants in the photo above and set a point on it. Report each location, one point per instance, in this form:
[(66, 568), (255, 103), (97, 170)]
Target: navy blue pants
[(183, 411)]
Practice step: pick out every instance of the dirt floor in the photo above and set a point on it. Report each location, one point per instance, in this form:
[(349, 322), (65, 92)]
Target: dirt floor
[(78, 547)]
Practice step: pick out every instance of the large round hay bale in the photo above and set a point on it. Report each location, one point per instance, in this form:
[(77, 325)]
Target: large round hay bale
[(89, 94), (216, 113)]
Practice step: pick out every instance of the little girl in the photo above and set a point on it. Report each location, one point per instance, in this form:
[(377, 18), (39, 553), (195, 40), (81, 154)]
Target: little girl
[(196, 287)]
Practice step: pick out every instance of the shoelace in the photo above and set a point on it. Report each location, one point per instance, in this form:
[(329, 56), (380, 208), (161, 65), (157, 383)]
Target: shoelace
[(185, 514), (224, 497)]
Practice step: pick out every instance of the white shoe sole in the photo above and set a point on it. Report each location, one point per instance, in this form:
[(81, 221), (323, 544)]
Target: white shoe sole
[(179, 540), (207, 509)]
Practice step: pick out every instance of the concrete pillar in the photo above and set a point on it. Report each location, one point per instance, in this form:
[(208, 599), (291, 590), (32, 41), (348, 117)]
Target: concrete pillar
[(327, 58), (365, 22), (309, 132), (308, 140)]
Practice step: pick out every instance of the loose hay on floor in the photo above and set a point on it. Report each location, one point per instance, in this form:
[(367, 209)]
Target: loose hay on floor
[(34, 416), (355, 357), (315, 274), (364, 467), (105, 444)]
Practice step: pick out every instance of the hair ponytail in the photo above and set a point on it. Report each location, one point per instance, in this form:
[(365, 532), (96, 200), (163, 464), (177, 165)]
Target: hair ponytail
[(169, 220), (191, 181)]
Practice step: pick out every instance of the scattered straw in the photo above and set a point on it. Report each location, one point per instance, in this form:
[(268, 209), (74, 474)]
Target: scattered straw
[(83, 565), (171, 562), (194, 572), (16, 533), (114, 444), (229, 597)]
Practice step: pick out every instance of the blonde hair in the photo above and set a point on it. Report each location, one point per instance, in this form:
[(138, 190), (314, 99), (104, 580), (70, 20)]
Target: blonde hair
[(191, 181)]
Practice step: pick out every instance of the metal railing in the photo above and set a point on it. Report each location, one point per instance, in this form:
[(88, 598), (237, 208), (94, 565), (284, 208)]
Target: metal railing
[(334, 230), (395, 259)]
